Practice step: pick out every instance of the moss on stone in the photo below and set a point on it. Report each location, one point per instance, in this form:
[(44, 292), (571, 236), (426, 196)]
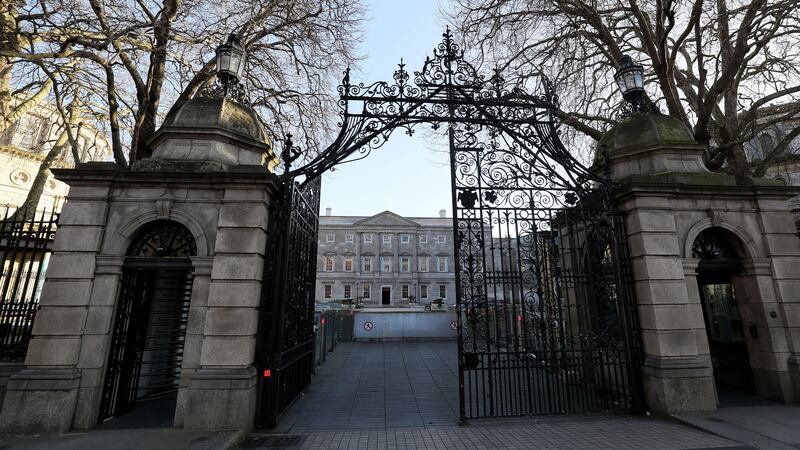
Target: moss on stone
[(644, 130)]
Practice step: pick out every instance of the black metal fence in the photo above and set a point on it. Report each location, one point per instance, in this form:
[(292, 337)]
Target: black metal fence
[(286, 341), (25, 247)]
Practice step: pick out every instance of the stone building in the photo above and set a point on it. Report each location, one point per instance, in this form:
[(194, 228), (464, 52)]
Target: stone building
[(154, 285), (784, 166), (385, 259), (24, 145), (716, 270)]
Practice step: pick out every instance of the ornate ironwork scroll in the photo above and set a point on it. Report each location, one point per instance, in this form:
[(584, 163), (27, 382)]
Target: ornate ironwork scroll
[(546, 320), (286, 350)]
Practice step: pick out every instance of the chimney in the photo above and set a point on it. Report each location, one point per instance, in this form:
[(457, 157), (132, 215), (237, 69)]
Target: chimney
[(443, 213), (327, 211)]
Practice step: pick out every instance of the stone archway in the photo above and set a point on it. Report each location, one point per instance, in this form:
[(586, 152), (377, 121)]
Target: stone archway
[(726, 315), (723, 260), (149, 326)]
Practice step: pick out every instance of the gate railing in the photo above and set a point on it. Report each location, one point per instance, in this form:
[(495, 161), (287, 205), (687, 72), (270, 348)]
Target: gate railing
[(286, 336), (25, 247)]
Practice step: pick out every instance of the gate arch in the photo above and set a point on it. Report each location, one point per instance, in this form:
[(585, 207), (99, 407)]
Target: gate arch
[(523, 209), (149, 329)]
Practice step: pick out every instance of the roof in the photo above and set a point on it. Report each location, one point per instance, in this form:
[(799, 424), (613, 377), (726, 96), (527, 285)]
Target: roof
[(385, 219)]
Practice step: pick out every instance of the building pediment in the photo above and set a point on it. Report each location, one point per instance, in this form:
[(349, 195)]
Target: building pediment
[(386, 219)]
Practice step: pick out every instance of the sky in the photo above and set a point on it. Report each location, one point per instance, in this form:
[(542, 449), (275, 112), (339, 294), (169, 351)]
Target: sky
[(409, 176)]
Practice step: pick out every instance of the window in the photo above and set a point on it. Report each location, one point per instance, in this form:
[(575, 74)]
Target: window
[(441, 239), (386, 263), (366, 264), (30, 128), (348, 264), (441, 263), (328, 291), (404, 291), (368, 239), (423, 239), (348, 238), (330, 238), (347, 291), (405, 264), (329, 264), (387, 238), (404, 239), (423, 291), (423, 263), (442, 291), (367, 291)]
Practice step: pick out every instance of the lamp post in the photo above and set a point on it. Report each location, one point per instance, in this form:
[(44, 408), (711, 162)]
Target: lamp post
[(630, 79), (230, 62)]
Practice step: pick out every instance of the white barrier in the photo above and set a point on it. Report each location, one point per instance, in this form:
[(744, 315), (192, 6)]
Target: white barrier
[(392, 325)]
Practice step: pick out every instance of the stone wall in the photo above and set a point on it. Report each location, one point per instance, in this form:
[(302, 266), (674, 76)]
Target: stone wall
[(61, 386), (664, 216)]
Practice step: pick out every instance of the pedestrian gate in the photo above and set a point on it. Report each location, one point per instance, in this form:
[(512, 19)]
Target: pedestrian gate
[(546, 317), (286, 344)]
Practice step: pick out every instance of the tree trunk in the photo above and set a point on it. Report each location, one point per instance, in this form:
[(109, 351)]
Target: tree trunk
[(27, 210), (146, 118), (8, 42)]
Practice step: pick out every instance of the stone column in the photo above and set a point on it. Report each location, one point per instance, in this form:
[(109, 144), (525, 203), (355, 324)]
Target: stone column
[(677, 371), (42, 397), (97, 334), (195, 328), (221, 393)]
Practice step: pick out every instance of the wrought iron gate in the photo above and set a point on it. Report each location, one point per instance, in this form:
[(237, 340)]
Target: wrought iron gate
[(25, 247), (286, 343), (546, 317), (148, 336), (151, 316)]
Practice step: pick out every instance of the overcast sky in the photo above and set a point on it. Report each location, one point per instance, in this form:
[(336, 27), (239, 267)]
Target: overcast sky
[(408, 175)]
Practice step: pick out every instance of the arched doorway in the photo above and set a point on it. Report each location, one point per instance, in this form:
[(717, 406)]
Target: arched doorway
[(717, 270), (149, 328)]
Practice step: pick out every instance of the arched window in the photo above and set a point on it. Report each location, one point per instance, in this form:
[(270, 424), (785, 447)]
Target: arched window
[(713, 244), (163, 239)]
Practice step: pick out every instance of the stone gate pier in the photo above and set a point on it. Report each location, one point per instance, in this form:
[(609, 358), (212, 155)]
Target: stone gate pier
[(716, 268), (180, 236)]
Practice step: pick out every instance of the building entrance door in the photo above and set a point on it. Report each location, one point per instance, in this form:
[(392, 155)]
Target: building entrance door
[(149, 329), (726, 334), (386, 296)]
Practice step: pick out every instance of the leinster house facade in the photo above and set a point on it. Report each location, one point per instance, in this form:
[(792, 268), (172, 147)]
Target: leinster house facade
[(385, 259)]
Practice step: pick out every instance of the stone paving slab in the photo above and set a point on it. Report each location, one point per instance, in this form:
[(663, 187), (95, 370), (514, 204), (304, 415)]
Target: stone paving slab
[(766, 427), (404, 395), (127, 439), (380, 385), (573, 432)]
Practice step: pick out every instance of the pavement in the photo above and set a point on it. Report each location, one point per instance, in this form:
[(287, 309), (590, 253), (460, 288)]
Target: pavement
[(127, 439), (567, 432), (753, 421), (379, 385), (403, 395)]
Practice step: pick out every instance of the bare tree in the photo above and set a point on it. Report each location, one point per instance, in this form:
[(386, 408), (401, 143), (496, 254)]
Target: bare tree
[(132, 60), (729, 69)]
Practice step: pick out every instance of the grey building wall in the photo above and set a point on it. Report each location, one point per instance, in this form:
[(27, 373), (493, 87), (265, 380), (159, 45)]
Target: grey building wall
[(427, 237)]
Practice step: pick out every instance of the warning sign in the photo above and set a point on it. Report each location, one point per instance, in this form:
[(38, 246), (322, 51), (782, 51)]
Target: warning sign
[(454, 325), (368, 326)]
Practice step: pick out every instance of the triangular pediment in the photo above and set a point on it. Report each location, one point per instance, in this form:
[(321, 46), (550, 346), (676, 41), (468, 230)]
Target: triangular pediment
[(387, 218)]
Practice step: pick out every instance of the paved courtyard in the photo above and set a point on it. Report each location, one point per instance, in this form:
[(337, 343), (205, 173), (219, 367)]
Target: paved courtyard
[(404, 395), (380, 385)]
